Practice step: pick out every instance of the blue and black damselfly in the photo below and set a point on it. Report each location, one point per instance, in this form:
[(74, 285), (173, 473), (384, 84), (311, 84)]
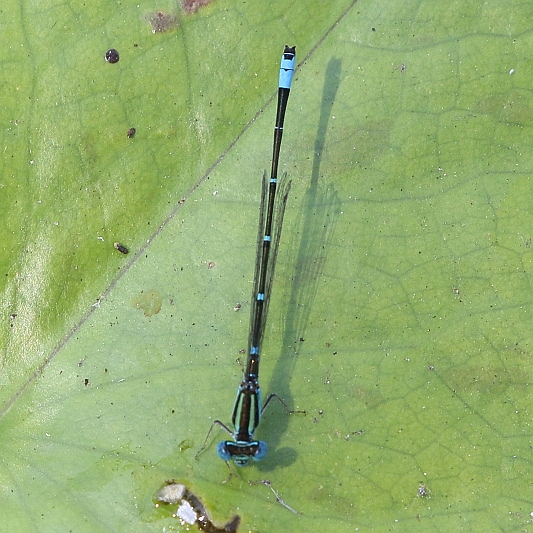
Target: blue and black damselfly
[(248, 409)]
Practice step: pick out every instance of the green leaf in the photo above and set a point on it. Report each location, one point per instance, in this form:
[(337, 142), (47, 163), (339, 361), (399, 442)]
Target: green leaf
[(401, 312)]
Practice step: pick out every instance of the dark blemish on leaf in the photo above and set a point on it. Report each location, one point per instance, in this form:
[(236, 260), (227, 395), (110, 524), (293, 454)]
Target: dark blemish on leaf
[(190, 509), (161, 22), (111, 56), (211, 265), (120, 247), (423, 491), (192, 6), (131, 133), (86, 381)]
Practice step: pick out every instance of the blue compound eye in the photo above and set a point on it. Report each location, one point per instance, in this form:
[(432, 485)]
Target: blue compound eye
[(260, 452), (223, 451)]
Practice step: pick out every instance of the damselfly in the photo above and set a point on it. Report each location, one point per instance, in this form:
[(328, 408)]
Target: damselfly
[(247, 410)]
